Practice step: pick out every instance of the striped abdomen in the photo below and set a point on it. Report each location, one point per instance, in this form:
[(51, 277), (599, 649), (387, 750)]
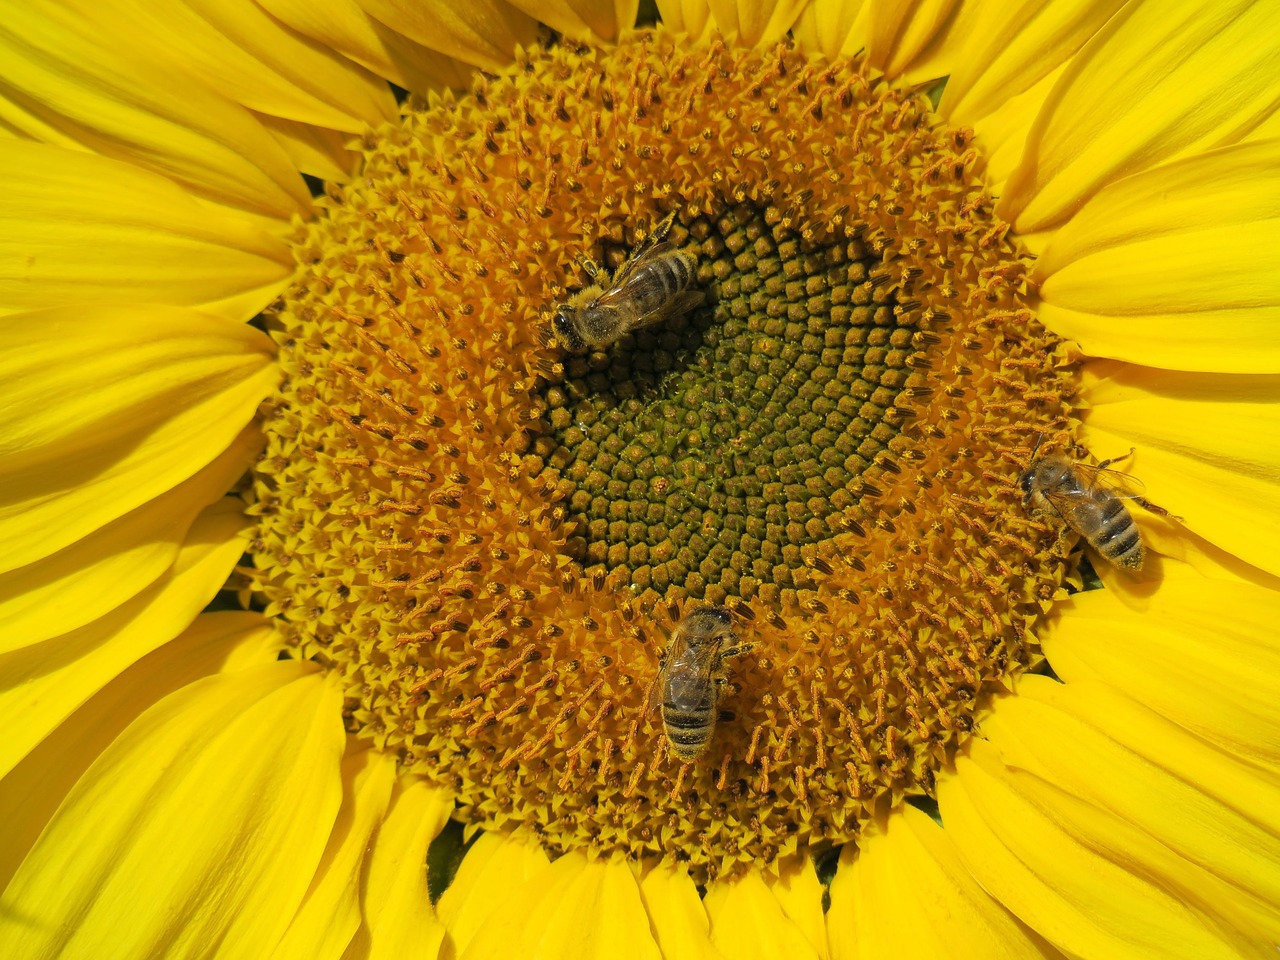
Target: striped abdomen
[(689, 731), (1113, 532)]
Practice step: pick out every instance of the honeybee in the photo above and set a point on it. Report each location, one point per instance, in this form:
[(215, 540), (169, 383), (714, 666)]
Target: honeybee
[(652, 285), (691, 679), (1073, 491)]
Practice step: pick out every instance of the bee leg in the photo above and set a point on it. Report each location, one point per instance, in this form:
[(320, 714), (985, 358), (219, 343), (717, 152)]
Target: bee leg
[(719, 685), (590, 268), (736, 651), (661, 230), (1143, 502), (1106, 463), (1064, 531), (1155, 508)]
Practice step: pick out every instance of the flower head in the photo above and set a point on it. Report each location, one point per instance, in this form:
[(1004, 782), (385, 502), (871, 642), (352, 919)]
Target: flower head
[(473, 544)]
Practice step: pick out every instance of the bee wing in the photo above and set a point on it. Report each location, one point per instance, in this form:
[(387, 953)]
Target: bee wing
[(673, 308), (677, 649), (705, 664), (1079, 511), (642, 255), (1064, 503), (1112, 479)]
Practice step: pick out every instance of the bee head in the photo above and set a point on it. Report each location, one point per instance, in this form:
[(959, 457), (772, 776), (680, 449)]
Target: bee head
[(563, 324), (707, 622), (721, 614), (1027, 481)]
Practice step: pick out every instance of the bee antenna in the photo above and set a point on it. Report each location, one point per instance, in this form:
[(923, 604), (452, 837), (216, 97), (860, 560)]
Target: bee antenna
[(1039, 440)]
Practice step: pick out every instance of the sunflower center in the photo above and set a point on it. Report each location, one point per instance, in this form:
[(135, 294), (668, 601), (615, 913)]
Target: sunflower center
[(493, 540), (709, 456)]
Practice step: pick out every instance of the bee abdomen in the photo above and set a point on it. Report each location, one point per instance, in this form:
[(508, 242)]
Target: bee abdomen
[(668, 277), (682, 268), (689, 731), (1117, 537)]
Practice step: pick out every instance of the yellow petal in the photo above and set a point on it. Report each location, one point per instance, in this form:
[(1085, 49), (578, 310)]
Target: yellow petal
[(330, 914), (495, 863), (1067, 735), (583, 19), (105, 410), (838, 28), (903, 892), (1267, 129), (399, 923), (799, 892), (484, 33), (755, 23), (1208, 449), (899, 33), (686, 16), (1001, 136), (32, 791), (45, 683), (341, 25), (679, 923), (252, 58), (1234, 185), (1086, 881), (71, 88), (1200, 653), (1237, 786), (203, 823), (915, 41), (1011, 47), (65, 240), (95, 575), (1159, 81), (747, 921), (1174, 267), (315, 151), (581, 908)]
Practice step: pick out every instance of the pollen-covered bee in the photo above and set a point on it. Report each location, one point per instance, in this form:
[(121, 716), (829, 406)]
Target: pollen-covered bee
[(652, 285), (691, 679), (1075, 492)]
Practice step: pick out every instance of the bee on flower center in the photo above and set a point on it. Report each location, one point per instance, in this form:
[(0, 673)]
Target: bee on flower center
[(652, 285), (1080, 495), (691, 680)]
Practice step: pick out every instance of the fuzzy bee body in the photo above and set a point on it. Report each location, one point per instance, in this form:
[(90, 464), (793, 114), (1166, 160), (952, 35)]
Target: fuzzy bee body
[(1056, 485), (691, 680), (652, 285), (689, 713)]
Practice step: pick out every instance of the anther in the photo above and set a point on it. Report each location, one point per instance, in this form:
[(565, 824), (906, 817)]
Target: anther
[(678, 787), (468, 708), (722, 778), (756, 734)]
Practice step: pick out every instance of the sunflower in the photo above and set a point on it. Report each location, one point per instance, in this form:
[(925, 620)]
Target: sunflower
[(341, 586)]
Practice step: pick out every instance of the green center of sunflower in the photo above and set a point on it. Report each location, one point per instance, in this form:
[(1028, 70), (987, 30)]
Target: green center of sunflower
[(492, 539), (709, 456)]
